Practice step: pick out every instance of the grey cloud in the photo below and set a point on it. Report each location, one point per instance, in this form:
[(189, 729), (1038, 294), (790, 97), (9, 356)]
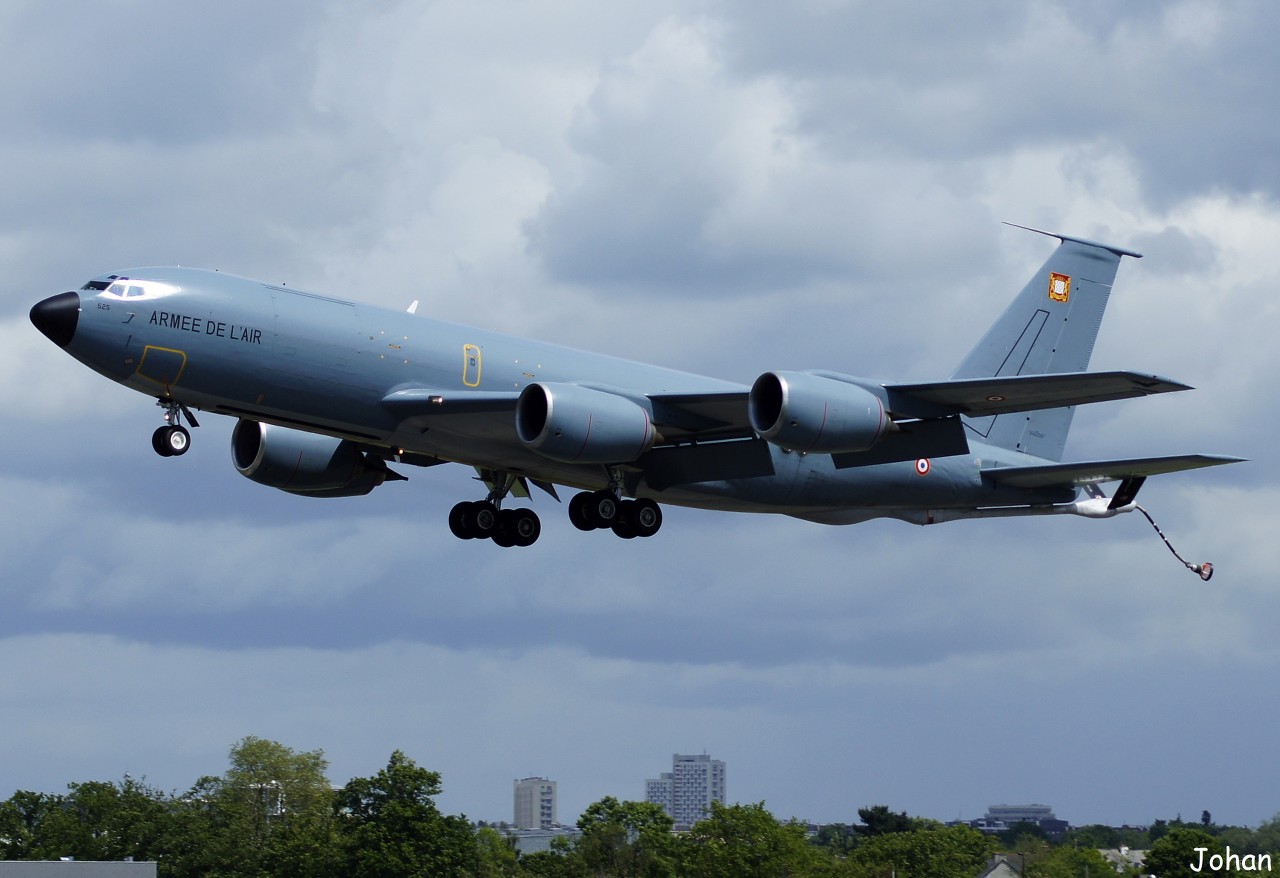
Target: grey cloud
[(732, 191)]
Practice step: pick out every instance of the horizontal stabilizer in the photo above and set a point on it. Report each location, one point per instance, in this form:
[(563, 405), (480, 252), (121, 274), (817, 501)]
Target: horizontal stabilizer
[(979, 397), (1092, 472)]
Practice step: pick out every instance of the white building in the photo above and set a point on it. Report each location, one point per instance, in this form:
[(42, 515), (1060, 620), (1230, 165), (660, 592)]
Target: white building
[(535, 803), (687, 791), (1011, 814)]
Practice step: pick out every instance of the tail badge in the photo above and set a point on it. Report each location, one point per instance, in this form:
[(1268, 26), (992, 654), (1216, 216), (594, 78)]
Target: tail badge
[(1059, 287)]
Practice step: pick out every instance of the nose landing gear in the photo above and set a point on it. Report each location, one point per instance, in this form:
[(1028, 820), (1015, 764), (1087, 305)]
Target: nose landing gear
[(173, 439)]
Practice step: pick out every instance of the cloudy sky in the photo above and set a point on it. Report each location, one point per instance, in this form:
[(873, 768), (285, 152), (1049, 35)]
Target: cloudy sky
[(722, 187)]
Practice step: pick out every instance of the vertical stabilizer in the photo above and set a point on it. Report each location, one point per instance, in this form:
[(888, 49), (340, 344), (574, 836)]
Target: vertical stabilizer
[(1049, 328)]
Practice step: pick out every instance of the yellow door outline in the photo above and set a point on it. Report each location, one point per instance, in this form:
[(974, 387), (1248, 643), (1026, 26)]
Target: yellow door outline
[(162, 363), (471, 365)]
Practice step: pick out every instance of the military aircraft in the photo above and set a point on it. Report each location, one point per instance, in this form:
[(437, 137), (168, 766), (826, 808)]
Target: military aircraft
[(328, 393)]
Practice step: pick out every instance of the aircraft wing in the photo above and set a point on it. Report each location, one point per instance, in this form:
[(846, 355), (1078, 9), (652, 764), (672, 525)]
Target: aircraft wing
[(979, 397), (422, 401), (707, 416), (1094, 471), (713, 415), (474, 413)]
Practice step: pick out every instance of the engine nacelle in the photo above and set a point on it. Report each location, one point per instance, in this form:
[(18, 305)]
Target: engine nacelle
[(804, 412), (574, 424), (306, 464)]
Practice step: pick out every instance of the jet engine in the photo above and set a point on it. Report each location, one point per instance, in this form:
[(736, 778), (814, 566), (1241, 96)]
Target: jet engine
[(306, 464), (800, 411), (574, 424)]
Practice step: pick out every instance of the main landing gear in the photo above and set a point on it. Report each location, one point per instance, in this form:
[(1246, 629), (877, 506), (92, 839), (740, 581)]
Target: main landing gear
[(487, 520), (484, 520), (597, 510), (173, 439), (589, 510)]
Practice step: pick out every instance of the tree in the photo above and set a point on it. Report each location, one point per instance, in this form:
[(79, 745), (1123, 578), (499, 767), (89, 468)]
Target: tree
[(1267, 837), (1095, 835), (97, 820), (390, 825), (746, 840), (495, 855), (838, 838), (22, 819), (626, 839), (879, 820), (937, 852), (270, 814), (1071, 862), (1173, 855), (1018, 832)]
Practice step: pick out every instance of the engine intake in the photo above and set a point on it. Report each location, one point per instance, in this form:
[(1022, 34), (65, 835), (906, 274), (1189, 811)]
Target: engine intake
[(306, 464), (804, 412), (575, 424)]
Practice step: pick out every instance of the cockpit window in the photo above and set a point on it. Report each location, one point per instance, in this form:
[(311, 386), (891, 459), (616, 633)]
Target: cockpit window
[(127, 291), (129, 288)]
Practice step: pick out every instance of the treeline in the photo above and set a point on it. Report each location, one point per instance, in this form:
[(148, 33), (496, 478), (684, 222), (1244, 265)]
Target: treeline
[(274, 813)]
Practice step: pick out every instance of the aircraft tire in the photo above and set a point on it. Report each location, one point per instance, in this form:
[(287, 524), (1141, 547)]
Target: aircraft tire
[(159, 442), (482, 519), (622, 527), (524, 526), (458, 521), (603, 508), (645, 517), (579, 514), (178, 440), (171, 441), (503, 537)]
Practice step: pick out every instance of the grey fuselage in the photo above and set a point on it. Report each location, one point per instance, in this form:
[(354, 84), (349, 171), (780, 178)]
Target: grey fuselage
[(239, 347)]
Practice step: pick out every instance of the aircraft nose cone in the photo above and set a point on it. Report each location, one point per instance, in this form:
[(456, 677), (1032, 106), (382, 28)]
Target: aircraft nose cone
[(57, 316)]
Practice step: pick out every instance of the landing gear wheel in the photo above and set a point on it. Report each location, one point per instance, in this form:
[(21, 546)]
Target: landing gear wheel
[(503, 537), (603, 508), (644, 516), (523, 525), (159, 442), (482, 519), (623, 527), (458, 522), (171, 441), (578, 514)]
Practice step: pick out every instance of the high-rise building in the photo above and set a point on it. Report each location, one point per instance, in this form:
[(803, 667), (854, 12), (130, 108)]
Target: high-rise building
[(687, 791), (535, 804)]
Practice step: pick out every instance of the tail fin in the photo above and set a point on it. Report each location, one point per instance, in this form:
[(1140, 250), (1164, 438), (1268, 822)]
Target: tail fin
[(1049, 328)]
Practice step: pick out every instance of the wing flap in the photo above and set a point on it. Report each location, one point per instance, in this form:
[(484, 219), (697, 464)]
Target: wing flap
[(1092, 472), (706, 416), (979, 397)]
